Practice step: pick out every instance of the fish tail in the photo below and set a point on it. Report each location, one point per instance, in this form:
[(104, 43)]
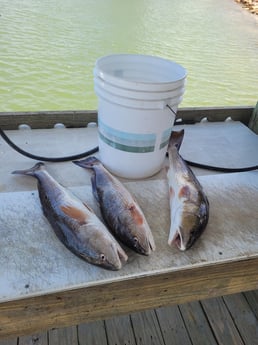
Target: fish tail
[(31, 171), (87, 163), (176, 138)]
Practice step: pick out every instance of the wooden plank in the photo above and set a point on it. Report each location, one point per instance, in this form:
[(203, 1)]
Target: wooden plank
[(35, 339), (47, 119), (243, 317), (119, 331), (172, 326), (221, 322), (30, 315), (146, 328), (13, 341), (197, 324), (252, 299), (63, 336), (92, 333)]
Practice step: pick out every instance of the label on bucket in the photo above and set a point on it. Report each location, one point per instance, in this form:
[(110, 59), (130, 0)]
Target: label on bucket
[(165, 138), (126, 141)]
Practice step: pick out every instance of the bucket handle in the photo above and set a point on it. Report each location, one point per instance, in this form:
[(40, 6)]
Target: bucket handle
[(169, 107)]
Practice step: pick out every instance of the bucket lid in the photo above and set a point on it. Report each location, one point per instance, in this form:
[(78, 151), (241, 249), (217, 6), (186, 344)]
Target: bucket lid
[(140, 72)]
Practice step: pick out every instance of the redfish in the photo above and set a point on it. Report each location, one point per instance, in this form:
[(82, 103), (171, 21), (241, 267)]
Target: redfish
[(120, 211), (189, 206), (74, 223)]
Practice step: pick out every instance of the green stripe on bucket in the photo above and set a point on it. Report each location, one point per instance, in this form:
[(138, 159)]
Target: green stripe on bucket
[(165, 138), (127, 148), (127, 138), (163, 144)]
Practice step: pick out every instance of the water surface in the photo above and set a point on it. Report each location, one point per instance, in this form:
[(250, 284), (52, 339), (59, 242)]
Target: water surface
[(48, 48)]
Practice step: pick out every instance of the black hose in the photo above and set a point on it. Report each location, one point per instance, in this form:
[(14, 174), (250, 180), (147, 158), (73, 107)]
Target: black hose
[(46, 159), (95, 149), (225, 170)]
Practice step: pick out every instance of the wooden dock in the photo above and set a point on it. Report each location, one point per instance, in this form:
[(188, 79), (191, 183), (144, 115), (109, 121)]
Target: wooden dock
[(227, 275), (226, 320)]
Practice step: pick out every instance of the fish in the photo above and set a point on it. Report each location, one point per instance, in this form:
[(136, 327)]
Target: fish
[(119, 209), (75, 223), (189, 205)]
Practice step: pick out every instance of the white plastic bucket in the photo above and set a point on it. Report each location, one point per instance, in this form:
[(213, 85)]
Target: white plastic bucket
[(133, 118)]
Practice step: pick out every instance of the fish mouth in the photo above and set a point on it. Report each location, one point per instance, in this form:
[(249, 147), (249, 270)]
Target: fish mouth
[(177, 240), (144, 249), (120, 260)]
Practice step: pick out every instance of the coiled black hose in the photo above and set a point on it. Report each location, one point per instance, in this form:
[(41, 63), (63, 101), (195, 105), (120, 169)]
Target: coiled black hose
[(95, 149)]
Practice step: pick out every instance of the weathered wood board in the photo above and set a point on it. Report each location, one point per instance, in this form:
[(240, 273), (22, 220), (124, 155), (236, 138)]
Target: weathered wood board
[(34, 262)]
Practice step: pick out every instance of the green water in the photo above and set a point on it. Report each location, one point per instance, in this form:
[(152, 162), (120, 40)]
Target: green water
[(48, 48)]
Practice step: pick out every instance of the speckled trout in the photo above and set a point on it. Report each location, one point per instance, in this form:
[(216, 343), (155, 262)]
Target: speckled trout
[(189, 206), (75, 223), (120, 211)]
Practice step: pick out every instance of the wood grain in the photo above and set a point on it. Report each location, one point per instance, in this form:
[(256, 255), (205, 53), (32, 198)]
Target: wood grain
[(63, 336), (221, 322), (172, 326), (92, 333), (252, 299), (29, 315), (243, 317), (146, 328), (119, 331), (35, 339), (197, 324)]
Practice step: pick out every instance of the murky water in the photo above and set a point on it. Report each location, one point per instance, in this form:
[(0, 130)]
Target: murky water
[(48, 48)]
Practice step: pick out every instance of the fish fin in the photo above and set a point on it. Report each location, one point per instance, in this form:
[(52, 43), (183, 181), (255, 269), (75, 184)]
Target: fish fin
[(87, 163), (75, 213), (137, 216), (176, 138), (31, 171)]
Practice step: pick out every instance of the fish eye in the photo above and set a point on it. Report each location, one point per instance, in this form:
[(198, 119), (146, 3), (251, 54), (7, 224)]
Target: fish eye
[(102, 257), (135, 240)]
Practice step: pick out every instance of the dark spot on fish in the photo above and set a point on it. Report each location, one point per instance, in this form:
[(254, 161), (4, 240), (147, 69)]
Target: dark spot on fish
[(220, 253), (27, 286), (184, 192)]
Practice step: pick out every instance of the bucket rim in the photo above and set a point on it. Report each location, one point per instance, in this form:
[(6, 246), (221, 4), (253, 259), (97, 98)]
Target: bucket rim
[(139, 85), (172, 88)]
